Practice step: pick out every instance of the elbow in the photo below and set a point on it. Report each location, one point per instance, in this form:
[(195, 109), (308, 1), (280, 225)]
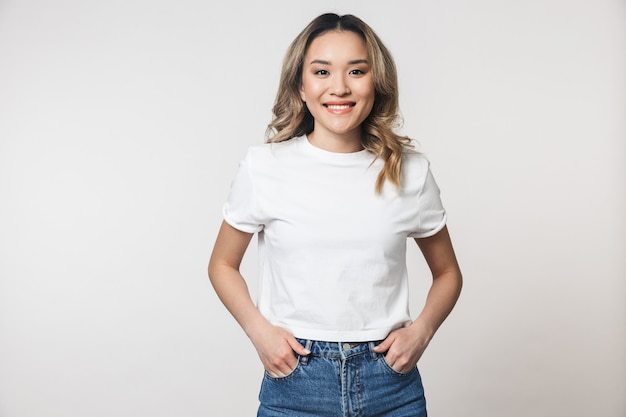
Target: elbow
[(459, 282), (212, 271)]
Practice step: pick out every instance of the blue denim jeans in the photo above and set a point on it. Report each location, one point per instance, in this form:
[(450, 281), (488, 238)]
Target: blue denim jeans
[(342, 380)]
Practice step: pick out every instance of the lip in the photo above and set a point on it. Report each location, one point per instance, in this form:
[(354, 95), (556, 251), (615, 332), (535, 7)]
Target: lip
[(339, 107)]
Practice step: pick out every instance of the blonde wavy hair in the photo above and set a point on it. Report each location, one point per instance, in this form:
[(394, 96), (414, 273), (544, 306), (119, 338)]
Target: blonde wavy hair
[(293, 119)]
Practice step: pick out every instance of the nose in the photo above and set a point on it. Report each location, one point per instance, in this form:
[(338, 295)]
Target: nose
[(339, 87)]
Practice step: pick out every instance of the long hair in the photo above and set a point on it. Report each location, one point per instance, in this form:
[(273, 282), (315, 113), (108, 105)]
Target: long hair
[(292, 118)]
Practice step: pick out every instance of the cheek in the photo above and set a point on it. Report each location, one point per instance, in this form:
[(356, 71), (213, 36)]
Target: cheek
[(365, 90), (310, 88), (368, 94)]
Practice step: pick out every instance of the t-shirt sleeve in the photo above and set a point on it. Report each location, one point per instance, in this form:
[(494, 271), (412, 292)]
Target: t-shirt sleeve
[(431, 213), (241, 208)]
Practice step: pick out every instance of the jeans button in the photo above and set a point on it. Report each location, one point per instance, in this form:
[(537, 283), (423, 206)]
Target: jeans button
[(346, 347)]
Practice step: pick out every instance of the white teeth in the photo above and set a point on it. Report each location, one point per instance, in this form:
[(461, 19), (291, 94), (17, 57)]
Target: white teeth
[(338, 107)]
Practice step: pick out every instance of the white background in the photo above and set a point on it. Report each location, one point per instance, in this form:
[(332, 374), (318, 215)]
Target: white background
[(121, 125)]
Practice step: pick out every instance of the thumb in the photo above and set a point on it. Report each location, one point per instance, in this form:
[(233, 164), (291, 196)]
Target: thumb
[(297, 347), (383, 346)]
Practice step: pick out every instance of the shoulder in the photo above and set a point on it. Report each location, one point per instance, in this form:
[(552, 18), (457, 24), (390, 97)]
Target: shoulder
[(415, 170), (270, 151), (271, 158), (414, 160)]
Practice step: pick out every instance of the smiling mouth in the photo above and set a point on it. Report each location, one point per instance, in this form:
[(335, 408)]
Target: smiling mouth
[(339, 107)]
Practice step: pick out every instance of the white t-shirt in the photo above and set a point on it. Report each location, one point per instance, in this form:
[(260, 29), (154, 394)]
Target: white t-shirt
[(332, 251)]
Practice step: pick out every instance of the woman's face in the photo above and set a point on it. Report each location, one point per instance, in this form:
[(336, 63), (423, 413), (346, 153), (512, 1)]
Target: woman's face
[(337, 85)]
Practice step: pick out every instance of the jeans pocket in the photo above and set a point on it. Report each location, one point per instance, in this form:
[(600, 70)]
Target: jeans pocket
[(394, 372), (284, 377)]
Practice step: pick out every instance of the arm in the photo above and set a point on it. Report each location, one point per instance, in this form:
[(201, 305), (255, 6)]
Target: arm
[(274, 345), (405, 346)]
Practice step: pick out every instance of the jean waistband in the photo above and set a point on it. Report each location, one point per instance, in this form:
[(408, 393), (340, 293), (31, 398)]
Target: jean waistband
[(339, 349)]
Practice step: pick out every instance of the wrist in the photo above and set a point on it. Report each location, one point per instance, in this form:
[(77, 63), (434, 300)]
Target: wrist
[(422, 329), (254, 325)]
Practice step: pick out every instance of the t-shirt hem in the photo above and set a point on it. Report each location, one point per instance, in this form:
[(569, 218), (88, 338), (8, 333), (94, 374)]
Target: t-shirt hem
[(431, 232), (344, 336), (238, 226)]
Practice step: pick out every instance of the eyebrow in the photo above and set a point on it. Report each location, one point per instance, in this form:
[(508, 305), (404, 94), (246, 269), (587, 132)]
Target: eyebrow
[(353, 62)]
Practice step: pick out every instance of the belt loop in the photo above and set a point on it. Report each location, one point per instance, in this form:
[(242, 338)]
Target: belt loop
[(307, 345), (372, 352)]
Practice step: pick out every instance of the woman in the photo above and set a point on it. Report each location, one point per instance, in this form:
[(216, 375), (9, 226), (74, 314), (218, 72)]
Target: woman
[(334, 197)]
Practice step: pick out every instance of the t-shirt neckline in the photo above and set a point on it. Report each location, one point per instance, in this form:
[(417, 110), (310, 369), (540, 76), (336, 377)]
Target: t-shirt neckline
[(361, 155)]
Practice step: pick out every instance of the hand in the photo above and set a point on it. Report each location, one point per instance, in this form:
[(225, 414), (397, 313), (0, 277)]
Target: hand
[(276, 347), (404, 347)]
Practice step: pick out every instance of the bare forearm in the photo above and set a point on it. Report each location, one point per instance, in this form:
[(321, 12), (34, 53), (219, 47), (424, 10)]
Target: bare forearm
[(441, 299), (227, 281), (447, 281), (232, 290), (274, 345), (405, 346)]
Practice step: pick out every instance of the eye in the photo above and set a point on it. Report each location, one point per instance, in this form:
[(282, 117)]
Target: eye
[(356, 72), (321, 72)]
